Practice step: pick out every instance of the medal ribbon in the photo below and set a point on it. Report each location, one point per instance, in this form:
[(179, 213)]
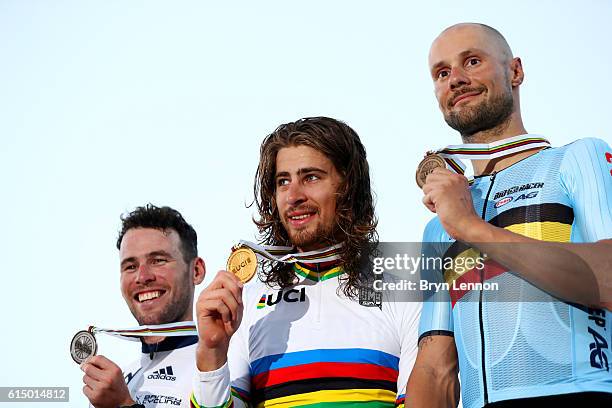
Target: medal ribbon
[(286, 254), (176, 329), (483, 151)]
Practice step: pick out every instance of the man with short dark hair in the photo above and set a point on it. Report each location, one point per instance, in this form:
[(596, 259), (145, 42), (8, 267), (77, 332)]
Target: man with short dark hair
[(305, 337), (159, 270), (543, 338)]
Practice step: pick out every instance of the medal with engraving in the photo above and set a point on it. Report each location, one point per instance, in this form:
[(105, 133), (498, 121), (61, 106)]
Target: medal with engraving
[(82, 346), (427, 165), (242, 262)]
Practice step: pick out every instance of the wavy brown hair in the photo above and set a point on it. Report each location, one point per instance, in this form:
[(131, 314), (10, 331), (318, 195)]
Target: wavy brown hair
[(355, 218)]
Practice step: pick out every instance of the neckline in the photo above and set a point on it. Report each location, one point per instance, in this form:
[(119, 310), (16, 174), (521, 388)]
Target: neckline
[(512, 165), (318, 272), (169, 344)]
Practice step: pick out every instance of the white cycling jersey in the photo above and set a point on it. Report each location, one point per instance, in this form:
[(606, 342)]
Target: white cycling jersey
[(309, 344), (161, 378)]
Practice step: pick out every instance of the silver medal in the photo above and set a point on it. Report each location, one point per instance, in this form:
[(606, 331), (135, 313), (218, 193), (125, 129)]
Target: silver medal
[(83, 345)]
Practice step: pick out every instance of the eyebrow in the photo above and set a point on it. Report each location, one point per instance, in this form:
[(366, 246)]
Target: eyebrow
[(462, 54), (149, 255), (128, 260), (301, 171), (159, 253), (437, 65)]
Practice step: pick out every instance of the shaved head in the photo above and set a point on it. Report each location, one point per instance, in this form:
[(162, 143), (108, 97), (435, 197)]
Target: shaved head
[(476, 79), (494, 38)]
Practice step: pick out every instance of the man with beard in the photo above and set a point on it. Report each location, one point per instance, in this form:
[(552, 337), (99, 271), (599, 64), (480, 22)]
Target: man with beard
[(159, 270), (544, 337), (304, 337)]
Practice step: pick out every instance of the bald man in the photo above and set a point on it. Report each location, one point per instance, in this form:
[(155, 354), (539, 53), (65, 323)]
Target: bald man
[(543, 218)]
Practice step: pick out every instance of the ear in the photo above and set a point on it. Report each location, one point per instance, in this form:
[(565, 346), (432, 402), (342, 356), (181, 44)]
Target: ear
[(199, 270), (517, 74)]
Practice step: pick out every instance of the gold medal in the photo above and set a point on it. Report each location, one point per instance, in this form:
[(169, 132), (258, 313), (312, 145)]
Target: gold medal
[(427, 165), (243, 263)]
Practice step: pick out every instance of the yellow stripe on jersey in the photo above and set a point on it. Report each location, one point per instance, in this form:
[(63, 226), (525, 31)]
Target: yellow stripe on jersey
[(462, 263), (543, 231), (352, 395), (317, 276)]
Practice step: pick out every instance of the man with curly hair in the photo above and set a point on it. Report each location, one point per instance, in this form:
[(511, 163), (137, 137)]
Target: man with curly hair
[(299, 335)]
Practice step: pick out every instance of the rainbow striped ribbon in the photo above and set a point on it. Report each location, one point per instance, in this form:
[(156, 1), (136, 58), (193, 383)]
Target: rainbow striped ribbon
[(187, 328), (483, 151), (287, 254)]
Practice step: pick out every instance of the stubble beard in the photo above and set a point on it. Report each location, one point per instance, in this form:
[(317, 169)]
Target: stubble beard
[(308, 240), (486, 116), (174, 311)]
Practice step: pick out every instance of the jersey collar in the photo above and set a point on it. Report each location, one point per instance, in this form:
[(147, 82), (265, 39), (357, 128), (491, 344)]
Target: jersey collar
[(319, 271), (484, 176), (169, 344)]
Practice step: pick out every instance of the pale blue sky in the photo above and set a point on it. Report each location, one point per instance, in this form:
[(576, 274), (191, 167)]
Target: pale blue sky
[(111, 104)]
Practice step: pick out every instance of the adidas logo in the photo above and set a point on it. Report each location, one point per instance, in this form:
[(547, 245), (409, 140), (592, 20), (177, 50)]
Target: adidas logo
[(163, 374)]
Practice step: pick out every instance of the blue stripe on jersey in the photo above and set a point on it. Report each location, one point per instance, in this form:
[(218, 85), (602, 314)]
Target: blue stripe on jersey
[(356, 355)]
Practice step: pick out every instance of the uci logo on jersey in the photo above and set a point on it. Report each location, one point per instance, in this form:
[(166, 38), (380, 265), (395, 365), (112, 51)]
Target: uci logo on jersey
[(508, 199), (289, 296)]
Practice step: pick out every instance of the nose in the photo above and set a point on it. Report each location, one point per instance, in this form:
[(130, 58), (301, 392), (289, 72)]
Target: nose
[(458, 78), (144, 274), (295, 194)]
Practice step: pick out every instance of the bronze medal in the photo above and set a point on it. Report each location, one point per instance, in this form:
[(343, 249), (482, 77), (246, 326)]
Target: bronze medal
[(427, 165), (243, 263)]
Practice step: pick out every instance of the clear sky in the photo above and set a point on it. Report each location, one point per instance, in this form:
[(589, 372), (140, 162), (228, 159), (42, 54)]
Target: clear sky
[(108, 105)]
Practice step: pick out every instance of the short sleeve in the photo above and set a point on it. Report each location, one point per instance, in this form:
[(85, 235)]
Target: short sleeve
[(586, 176), (436, 315)]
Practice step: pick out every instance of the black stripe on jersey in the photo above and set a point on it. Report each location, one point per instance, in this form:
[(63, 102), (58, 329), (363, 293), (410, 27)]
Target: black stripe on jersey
[(435, 333), (455, 249), (318, 384), (552, 212), (549, 212)]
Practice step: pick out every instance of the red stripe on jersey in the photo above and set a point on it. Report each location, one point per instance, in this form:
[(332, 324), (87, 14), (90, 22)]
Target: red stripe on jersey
[(491, 270), (323, 370)]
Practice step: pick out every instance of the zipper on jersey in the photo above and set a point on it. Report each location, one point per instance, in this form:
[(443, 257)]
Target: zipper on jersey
[(480, 319), (153, 351)]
